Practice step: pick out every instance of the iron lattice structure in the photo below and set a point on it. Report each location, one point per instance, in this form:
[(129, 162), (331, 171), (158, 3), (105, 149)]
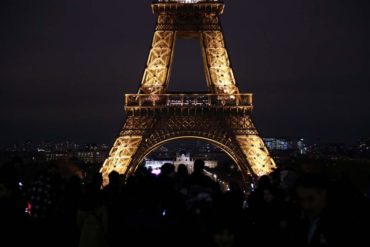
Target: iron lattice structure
[(221, 116)]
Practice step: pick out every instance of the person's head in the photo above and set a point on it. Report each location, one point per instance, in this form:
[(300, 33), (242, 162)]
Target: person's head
[(141, 171), (264, 182), (74, 182), (96, 180), (275, 177), (114, 178), (182, 170), (234, 186), (269, 194), (198, 166), (150, 170), (311, 192), (167, 169)]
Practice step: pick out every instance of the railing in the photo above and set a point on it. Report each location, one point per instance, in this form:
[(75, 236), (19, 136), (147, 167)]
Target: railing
[(192, 6), (188, 100)]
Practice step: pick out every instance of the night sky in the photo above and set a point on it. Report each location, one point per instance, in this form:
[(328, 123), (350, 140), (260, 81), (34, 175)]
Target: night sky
[(65, 64)]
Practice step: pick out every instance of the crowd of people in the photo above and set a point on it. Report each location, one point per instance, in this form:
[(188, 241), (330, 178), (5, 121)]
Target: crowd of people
[(176, 208)]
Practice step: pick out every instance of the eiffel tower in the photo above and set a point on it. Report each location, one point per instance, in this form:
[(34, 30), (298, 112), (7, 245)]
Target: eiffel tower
[(222, 116)]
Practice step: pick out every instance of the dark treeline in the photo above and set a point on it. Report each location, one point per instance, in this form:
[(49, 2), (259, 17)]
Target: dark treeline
[(180, 209)]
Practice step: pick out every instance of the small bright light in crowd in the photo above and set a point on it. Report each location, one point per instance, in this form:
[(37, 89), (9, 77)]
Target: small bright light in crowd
[(28, 209), (20, 184), (156, 172), (164, 213)]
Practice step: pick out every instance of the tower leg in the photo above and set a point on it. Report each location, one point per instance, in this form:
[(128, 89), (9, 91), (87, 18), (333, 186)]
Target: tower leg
[(125, 146), (256, 153), (158, 67), (251, 144), (219, 73)]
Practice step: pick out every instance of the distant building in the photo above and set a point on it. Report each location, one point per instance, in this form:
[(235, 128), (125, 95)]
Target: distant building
[(92, 156), (185, 159), (302, 147), (57, 156), (279, 144), (286, 146), (363, 146), (89, 157)]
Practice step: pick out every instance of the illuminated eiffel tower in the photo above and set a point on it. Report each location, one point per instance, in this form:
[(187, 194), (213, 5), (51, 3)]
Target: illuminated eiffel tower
[(221, 117)]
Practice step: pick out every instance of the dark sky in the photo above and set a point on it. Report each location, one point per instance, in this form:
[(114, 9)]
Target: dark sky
[(65, 64)]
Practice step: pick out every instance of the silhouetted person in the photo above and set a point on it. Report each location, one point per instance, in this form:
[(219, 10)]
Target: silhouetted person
[(167, 170), (257, 197), (92, 217), (198, 178), (12, 208), (200, 201), (43, 194), (167, 189), (182, 171), (182, 179), (166, 183), (67, 209), (112, 193), (368, 189), (235, 197), (321, 225), (112, 190)]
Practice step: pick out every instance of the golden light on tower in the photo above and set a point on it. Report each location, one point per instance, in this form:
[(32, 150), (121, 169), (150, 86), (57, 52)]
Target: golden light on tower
[(221, 117)]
